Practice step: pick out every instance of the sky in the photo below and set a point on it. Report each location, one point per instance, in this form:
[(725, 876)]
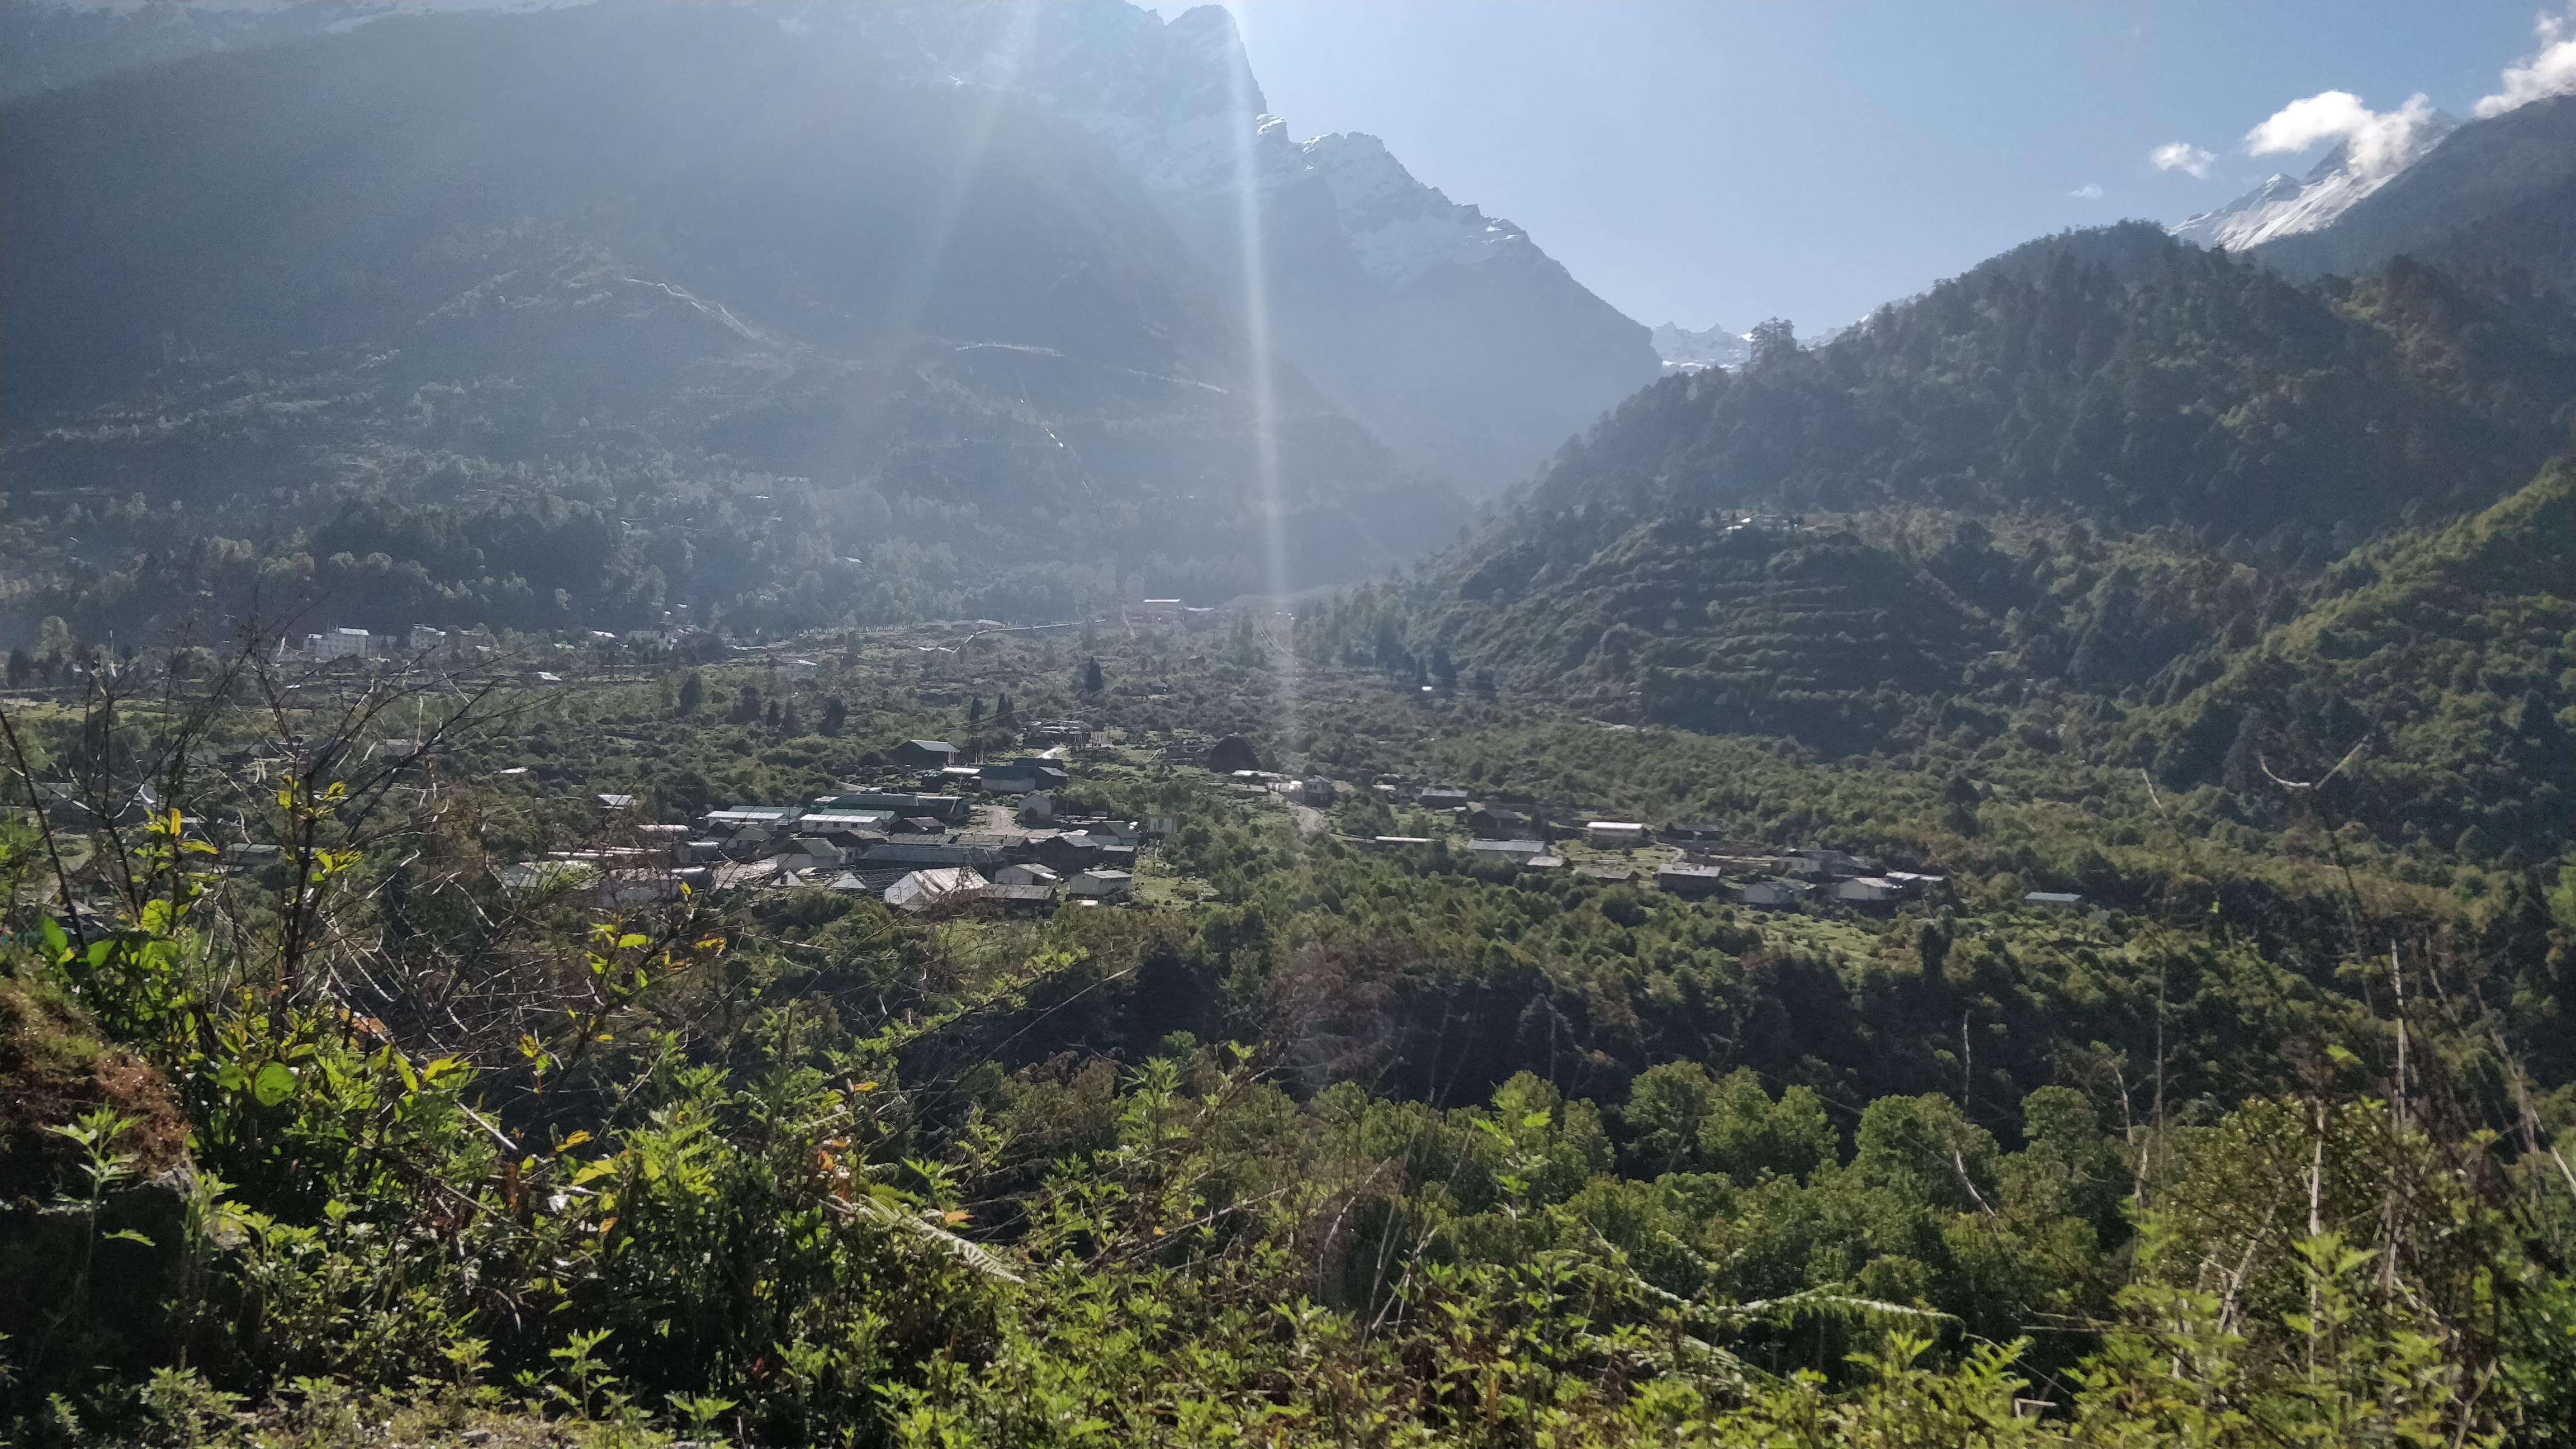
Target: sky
[(1723, 161)]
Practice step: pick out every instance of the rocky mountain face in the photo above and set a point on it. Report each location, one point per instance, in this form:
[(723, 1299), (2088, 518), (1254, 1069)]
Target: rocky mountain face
[(1448, 333)]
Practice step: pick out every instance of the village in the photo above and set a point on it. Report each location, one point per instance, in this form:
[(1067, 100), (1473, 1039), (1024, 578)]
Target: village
[(939, 838), (940, 835), (938, 831)]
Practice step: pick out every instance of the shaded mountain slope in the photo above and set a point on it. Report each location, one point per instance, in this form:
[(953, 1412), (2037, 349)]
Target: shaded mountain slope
[(253, 290), (1449, 333)]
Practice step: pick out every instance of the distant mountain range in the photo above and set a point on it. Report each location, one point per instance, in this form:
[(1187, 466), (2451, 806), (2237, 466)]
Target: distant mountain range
[(1449, 334)]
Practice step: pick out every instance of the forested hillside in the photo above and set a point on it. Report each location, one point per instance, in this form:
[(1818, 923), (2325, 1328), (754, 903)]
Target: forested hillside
[(2113, 374), (2106, 468), (2439, 661)]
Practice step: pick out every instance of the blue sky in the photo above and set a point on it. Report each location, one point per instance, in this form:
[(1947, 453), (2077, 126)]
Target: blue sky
[(1726, 160)]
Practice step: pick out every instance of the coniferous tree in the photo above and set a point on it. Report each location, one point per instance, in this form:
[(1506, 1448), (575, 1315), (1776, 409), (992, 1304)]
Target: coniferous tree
[(1093, 682), (836, 715), (693, 693)]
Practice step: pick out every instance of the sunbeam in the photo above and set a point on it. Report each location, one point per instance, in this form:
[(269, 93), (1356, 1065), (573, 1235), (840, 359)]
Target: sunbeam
[(1253, 277)]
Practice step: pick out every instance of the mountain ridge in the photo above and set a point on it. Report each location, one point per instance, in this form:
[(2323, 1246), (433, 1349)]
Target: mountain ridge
[(2283, 206), (1450, 334), (2499, 191)]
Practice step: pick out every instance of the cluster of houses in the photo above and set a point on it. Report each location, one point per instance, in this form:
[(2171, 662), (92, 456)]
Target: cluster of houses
[(330, 646), (1701, 862), (1754, 875), (922, 853)]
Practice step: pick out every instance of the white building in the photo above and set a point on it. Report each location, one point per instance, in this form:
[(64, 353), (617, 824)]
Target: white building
[(426, 640), (1615, 834), (924, 890), (338, 644), (1101, 885)]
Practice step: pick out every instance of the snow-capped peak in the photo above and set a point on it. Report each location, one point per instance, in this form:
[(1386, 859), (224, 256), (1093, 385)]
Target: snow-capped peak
[(2286, 206)]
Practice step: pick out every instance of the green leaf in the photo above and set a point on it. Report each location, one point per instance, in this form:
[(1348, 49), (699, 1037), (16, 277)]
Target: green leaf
[(128, 1235), (55, 940), (273, 1085)]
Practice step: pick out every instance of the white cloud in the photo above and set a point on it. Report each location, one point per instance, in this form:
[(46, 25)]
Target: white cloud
[(2551, 72), (2379, 142), (2087, 192), (2181, 156)]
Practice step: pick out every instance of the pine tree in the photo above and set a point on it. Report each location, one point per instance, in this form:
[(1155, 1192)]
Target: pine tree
[(1093, 682), (974, 711), (836, 715), (693, 693)]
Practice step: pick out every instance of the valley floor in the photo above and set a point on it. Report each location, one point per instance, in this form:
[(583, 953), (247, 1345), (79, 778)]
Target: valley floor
[(2047, 1106)]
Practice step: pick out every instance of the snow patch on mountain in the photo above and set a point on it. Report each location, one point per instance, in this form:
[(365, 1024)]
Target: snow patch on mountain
[(1684, 350)]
